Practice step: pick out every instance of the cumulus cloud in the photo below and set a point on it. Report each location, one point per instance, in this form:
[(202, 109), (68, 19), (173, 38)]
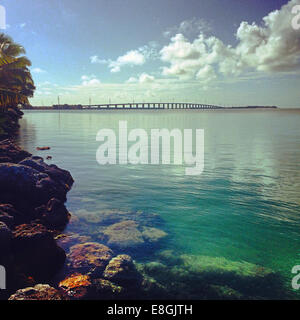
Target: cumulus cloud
[(273, 46), (90, 81), (131, 58), (144, 78)]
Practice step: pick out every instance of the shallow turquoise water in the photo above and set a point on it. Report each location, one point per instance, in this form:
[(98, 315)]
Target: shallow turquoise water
[(245, 206)]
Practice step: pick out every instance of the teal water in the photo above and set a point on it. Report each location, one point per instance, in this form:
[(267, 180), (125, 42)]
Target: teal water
[(245, 206)]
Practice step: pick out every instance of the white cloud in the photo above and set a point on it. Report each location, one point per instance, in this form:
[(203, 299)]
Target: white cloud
[(188, 28), (22, 25), (96, 59), (271, 47), (131, 58), (144, 78), (38, 70), (90, 81), (132, 80), (206, 74)]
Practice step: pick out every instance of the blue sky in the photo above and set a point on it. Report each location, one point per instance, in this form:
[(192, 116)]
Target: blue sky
[(227, 52)]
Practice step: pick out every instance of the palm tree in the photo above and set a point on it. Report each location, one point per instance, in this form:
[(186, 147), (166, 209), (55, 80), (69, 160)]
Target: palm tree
[(16, 84)]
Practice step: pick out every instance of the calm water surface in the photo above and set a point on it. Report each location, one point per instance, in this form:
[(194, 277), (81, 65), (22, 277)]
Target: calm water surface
[(245, 206)]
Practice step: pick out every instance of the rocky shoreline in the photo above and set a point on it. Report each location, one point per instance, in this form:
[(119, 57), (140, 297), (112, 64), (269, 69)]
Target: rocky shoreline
[(32, 219)]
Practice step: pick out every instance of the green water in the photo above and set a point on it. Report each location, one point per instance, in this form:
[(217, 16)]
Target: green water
[(244, 207)]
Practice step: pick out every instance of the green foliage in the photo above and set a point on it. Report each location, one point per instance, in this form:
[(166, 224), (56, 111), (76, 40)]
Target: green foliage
[(16, 83)]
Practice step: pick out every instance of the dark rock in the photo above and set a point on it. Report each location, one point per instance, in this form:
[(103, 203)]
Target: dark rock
[(57, 174), (36, 252), (39, 292), (9, 152), (32, 183), (54, 215), (121, 270), (89, 258), (10, 216)]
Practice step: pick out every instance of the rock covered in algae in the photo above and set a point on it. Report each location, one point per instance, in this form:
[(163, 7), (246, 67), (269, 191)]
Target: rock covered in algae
[(108, 216), (89, 257), (221, 265), (38, 292), (153, 235), (204, 277), (106, 290), (77, 286), (122, 270), (224, 293), (81, 287), (124, 235), (67, 240)]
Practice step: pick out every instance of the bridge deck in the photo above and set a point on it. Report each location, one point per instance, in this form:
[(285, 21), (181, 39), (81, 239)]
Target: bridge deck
[(114, 106)]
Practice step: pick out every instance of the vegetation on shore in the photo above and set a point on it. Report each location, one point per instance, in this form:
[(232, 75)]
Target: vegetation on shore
[(16, 83)]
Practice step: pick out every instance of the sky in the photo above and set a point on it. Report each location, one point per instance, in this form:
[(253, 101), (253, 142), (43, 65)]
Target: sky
[(228, 53)]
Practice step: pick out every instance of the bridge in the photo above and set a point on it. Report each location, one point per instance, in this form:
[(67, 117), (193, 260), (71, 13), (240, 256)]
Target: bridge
[(142, 106)]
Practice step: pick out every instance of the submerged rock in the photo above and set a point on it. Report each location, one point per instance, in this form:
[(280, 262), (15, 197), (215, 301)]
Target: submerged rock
[(124, 235), (106, 290), (121, 270), (169, 257), (153, 235), (89, 258), (38, 292), (204, 277), (70, 239), (104, 217), (224, 293), (36, 252)]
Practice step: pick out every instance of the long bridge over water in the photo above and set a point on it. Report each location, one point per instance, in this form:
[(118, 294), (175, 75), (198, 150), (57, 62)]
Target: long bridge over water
[(130, 106), (142, 106)]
